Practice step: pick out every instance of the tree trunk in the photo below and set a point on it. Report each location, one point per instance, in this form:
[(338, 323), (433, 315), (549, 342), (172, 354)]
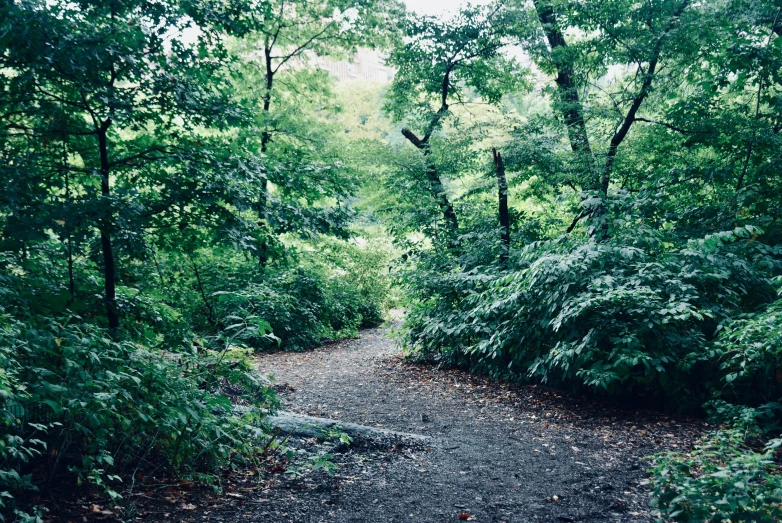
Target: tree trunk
[(71, 279), (568, 103), (210, 316), (502, 189), (106, 225), (422, 144), (263, 203), (68, 236), (436, 187), (438, 190)]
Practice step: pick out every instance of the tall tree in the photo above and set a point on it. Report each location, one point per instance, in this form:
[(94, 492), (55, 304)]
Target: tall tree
[(611, 35), (115, 126), (442, 64), (288, 36), (567, 101), (502, 207)]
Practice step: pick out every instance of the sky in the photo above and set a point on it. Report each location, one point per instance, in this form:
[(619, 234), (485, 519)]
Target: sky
[(438, 7), (422, 7)]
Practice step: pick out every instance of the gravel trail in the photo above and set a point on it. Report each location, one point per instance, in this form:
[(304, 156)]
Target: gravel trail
[(501, 452)]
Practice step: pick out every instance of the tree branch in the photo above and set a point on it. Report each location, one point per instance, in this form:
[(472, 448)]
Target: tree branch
[(578, 218), (671, 127), (407, 133), (627, 123), (140, 156)]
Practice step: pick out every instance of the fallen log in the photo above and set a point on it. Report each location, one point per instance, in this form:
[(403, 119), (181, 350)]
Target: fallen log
[(305, 426)]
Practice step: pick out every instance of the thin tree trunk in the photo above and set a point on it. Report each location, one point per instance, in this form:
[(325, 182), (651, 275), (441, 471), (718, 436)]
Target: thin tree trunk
[(71, 279), (629, 120), (751, 142), (106, 225), (263, 203), (568, 103), (159, 270), (422, 144), (775, 28), (502, 190), (438, 190), (209, 309), (436, 187), (68, 236)]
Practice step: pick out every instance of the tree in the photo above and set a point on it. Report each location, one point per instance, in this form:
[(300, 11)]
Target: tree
[(567, 101), (676, 107), (502, 206), (111, 91), (286, 36), (439, 66), (627, 35)]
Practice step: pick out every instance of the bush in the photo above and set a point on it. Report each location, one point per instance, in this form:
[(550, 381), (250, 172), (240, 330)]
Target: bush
[(327, 293), (641, 314), (371, 315), (342, 309), (75, 400), (361, 267), (749, 352), (300, 307), (630, 315), (722, 480), (15, 449)]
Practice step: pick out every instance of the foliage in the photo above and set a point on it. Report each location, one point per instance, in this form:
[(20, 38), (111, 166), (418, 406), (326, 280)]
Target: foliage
[(621, 316), (158, 190), (325, 289), (749, 350), (179, 181), (721, 480), (645, 219), (335, 433), (465, 50), (76, 400)]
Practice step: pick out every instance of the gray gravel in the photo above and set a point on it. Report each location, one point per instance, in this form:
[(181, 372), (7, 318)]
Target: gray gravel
[(500, 452)]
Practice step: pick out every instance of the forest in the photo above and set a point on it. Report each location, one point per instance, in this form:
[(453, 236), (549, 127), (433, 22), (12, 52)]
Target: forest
[(578, 198)]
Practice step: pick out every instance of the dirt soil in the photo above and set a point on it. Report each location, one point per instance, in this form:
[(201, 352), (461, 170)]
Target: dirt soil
[(501, 452)]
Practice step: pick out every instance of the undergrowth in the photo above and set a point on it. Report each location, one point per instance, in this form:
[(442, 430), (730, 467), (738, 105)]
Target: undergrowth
[(689, 326), (176, 392)]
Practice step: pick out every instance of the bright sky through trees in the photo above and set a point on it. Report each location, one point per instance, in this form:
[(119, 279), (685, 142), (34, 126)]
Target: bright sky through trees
[(438, 7)]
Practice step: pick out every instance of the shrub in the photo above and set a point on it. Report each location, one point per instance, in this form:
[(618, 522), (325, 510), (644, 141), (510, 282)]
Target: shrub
[(749, 352), (16, 450), (328, 293), (634, 315), (342, 309), (361, 267), (300, 307), (76, 400), (371, 315), (627, 315), (722, 480)]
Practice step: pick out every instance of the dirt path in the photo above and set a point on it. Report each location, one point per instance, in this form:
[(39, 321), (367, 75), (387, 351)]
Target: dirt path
[(500, 452)]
